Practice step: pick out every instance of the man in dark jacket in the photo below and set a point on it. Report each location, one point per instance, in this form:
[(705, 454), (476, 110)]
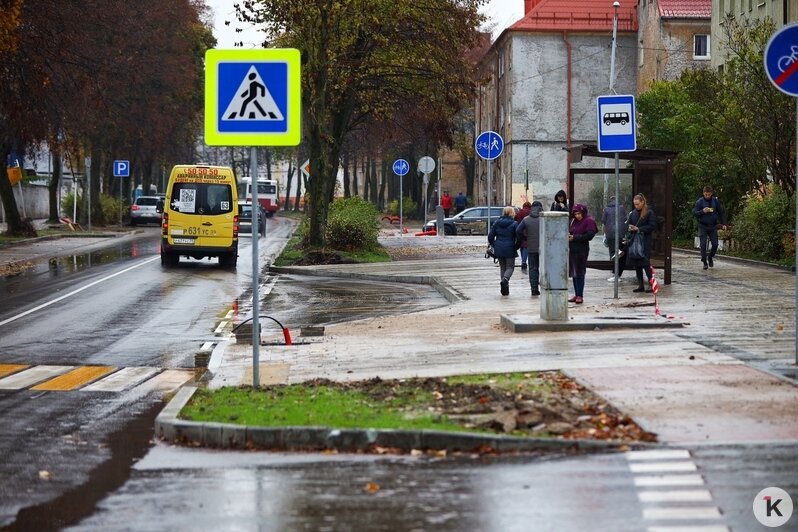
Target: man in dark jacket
[(613, 221), (710, 214), (529, 228), (519, 216)]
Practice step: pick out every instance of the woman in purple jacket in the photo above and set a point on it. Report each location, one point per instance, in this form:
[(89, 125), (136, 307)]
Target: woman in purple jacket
[(582, 230)]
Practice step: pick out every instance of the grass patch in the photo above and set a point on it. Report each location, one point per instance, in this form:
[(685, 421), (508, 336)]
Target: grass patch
[(303, 405)]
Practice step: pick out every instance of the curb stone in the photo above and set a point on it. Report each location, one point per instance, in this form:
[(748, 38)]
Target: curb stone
[(170, 428)]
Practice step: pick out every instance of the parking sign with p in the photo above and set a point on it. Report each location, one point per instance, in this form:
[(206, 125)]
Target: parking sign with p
[(121, 168)]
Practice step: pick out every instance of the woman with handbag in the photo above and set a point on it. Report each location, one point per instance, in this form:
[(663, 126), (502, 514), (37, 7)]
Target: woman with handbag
[(502, 238), (641, 223)]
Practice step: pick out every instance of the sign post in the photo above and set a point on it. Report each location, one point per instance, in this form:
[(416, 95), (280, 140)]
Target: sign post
[(426, 165), (617, 132), (400, 168), (781, 66), (489, 146), (253, 98), (121, 169)]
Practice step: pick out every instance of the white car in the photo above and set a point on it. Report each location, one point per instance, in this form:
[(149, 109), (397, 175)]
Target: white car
[(143, 210)]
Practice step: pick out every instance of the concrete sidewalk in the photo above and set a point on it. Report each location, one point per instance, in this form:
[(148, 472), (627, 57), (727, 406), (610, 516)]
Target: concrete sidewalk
[(726, 376)]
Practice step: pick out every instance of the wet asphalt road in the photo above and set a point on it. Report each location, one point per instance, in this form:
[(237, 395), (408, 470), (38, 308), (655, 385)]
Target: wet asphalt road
[(65, 450), (173, 488)]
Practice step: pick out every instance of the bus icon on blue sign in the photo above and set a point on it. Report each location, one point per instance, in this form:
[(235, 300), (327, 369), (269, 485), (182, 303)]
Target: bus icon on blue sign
[(616, 127)]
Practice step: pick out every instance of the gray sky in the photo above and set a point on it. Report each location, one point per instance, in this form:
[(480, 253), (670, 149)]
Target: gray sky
[(501, 12)]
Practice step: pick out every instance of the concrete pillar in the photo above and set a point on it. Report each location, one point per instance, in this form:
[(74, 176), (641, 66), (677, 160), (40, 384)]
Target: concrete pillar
[(554, 266)]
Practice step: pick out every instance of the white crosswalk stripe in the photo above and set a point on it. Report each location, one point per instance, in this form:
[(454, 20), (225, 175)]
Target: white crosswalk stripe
[(142, 378)]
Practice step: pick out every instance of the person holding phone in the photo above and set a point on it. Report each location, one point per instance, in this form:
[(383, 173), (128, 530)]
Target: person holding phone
[(710, 215)]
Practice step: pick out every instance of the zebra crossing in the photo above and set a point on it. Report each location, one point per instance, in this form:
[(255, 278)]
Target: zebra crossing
[(673, 494), (91, 378)]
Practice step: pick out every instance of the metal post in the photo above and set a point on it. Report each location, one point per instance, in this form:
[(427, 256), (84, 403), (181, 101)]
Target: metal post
[(796, 230), (401, 208), (88, 189), (490, 187), (526, 173), (615, 5), (121, 204), (253, 172)]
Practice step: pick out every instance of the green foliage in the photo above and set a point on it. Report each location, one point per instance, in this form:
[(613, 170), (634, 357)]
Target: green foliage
[(352, 224), (732, 129), (112, 209), (408, 206), (68, 204), (763, 222)]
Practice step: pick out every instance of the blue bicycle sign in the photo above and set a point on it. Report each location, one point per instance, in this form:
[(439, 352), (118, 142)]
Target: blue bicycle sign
[(781, 60), (489, 145), (401, 167)]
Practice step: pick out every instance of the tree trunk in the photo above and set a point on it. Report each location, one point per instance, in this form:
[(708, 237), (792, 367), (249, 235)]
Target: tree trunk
[(15, 226), (366, 178), (354, 175), (299, 178), (54, 185), (383, 179), (289, 178)]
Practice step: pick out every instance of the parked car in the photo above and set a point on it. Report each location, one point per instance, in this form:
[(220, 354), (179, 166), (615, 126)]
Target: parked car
[(245, 218), (473, 221), (143, 210)]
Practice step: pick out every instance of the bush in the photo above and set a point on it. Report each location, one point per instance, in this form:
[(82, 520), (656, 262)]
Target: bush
[(68, 204), (112, 209), (408, 205), (763, 222), (352, 225)]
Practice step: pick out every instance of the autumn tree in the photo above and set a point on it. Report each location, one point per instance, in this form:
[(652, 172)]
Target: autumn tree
[(363, 58)]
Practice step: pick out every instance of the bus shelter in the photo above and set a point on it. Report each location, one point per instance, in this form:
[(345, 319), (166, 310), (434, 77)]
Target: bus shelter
[(644, 171)]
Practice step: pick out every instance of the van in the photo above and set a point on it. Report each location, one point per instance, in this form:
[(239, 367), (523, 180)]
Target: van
[(200, 215)]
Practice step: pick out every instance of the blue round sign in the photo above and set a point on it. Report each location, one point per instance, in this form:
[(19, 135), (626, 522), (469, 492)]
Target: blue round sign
[(781, 60), (401, 167), (489, 145)]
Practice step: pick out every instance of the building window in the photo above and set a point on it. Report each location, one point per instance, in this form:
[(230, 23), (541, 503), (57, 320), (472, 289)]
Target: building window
[(700, 46)]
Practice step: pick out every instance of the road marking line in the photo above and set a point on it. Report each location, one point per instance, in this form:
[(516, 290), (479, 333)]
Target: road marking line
[(8, 369), (675, 496), (167, 381), (31, 376), (81, 289), (220, 328), (658, 455), (697, 528), (75, 378), (207, 346), (663, 467), (681, 512), (124, 378), (668, 480)]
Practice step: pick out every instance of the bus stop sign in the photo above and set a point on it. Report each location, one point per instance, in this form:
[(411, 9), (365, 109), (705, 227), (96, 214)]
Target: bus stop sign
[(617, 130), (781, 60)]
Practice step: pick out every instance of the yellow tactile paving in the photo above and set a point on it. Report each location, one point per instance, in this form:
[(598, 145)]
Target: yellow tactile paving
[(75, 378), (8, 369)]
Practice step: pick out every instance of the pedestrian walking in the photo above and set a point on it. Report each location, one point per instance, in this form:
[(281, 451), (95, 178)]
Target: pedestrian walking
[(460, 202), (710, 214), (446, 203), (641, 222), (560, 202), (529, 231), (613, 221), (581, 231), (502, 237), (520, 215)]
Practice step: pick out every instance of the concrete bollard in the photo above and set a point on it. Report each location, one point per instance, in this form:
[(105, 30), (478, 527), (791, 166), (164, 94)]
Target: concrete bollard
[(554, 266)]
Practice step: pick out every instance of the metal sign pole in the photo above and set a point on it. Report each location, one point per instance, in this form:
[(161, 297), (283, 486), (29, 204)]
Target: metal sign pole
[(401, 209), (796, 231), (490, 190), (253, 172)]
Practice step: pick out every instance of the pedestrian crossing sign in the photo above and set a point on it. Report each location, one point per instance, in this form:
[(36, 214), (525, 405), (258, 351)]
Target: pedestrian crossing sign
[(252, 97)]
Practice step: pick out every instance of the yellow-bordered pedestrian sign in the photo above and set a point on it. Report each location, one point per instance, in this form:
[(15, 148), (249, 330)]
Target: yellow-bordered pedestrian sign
[(252, 97)]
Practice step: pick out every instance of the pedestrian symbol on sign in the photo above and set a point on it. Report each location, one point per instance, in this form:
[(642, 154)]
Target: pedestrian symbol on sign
[(252, 95)]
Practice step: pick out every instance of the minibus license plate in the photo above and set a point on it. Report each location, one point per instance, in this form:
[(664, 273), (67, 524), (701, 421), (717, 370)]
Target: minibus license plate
[(183, 240)]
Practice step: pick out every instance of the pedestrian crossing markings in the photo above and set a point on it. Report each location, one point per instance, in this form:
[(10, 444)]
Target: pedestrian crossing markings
[(90, 378)]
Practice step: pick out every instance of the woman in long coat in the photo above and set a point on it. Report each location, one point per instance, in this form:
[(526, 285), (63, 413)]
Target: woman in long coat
[(641, 223), (502, 238)]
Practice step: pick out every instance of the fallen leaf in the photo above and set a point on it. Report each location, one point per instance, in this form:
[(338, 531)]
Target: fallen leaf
[(44, 475), (371, 487)]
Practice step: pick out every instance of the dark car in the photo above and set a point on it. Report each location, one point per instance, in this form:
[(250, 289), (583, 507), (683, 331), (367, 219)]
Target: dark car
[(245, 218), (473, 221)]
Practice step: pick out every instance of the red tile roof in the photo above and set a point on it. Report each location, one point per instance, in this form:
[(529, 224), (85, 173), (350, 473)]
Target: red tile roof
[(579, 15), (685, 8)]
